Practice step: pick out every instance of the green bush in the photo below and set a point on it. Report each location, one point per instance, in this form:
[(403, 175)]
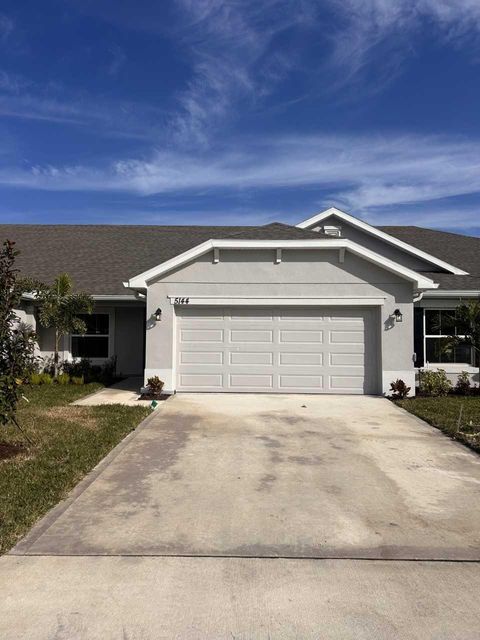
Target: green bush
[(434, 383), (463, 385), (77, 380), (46, 378), (63, 378), (35, 378)]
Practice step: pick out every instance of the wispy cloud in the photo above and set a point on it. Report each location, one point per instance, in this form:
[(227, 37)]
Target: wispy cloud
[(6, 27), (23, 98), (229, 45), (383, 32), (358, 172)]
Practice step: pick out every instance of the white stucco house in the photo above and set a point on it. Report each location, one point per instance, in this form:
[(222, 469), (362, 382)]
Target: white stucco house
[(331, 305)]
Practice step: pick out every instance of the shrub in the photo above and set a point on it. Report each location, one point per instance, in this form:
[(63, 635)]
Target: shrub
[(77, 380), (434, 383), (63, 378), (35, 378), (463, 385), (399, 389), (92, 372), (46, 378), (155, 385)]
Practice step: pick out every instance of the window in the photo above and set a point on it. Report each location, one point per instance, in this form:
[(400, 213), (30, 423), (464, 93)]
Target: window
[(95, 342), (439, 324)]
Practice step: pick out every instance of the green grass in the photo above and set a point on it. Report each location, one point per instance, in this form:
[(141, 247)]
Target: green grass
[(68, 443), (443, 413)]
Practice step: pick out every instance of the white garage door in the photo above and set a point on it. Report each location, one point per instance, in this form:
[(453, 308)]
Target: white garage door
[(277, 350)]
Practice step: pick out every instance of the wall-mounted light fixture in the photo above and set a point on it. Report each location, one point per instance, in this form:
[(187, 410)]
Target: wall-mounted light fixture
[(398, 315), (158, 314)]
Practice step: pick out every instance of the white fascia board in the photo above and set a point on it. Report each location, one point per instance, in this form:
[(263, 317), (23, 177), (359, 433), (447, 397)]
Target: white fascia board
[(141, 281), (263, 301), (453, 293), (368, 228)]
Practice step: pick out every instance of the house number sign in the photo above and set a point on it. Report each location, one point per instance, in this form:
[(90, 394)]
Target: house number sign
[(181, 301)]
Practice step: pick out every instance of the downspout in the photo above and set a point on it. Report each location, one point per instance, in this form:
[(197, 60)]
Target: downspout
[(418, 296)]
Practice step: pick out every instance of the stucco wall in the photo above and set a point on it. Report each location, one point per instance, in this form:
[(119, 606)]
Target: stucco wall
[(300, 274)]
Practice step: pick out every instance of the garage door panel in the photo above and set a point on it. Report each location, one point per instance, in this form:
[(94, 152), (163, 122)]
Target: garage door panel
[(346, 337), (201, 357), (346, 382), (300, 359), (202, 380), (296, 350), (251, 380), (294, 336), (293, 381), (201, 335), (251, 335), (251, 357), (346, 359)]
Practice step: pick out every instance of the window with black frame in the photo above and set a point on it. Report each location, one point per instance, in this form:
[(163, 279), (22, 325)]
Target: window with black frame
[(439, 325), (94, 342)]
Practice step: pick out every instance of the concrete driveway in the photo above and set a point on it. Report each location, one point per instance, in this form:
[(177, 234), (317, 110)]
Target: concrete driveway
[(254, 516), (276, 476)]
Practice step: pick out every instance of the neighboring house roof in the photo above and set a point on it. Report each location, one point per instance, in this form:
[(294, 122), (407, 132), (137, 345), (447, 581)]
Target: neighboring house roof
[(463, 251), (101, 257)]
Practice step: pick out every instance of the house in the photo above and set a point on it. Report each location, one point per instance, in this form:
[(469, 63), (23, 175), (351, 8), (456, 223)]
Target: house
[(331, 305)]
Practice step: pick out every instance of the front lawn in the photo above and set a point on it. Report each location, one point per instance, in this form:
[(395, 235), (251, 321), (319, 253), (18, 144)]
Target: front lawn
[(68, 443), (444, 412)]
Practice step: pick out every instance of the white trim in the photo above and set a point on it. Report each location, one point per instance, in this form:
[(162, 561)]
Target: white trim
[(364, 226), (452, 293), (262, 301), (421, 282)]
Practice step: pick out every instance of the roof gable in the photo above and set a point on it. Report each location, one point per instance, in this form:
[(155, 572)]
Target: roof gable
[(382, 235)]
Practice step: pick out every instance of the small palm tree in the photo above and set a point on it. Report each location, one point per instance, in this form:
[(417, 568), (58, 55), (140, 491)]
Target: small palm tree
[(60, 307)]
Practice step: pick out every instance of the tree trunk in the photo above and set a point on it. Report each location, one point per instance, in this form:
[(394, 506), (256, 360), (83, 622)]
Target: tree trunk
[(55, 356)]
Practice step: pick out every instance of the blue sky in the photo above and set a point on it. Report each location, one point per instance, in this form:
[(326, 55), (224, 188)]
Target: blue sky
[(239, 111)]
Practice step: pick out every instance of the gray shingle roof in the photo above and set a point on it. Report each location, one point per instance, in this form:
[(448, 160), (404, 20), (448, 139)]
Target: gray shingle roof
[(100, 257), (454, 248)]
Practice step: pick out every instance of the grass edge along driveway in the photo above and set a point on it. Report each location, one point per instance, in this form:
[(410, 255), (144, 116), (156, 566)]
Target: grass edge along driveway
[(69, 442), (443, 413)]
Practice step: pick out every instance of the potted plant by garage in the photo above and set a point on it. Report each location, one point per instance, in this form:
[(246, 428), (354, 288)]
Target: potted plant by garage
[(153, 390)]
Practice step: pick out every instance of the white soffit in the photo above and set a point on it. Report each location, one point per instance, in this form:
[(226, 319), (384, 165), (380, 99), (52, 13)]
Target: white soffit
[(368, 228)]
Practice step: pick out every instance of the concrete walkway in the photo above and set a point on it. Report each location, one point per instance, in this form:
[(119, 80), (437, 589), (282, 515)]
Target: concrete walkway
[(259, 517), (124, 392)]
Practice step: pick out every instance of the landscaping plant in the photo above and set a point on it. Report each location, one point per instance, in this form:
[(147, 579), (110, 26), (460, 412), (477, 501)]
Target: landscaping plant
[(433, 382), (155, 385), (17, 342), (399, 389), (60, 307), (463, 386)]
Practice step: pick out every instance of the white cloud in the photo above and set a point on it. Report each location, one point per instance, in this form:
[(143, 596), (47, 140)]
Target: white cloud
[(6, 27), (382, 32), (362, 173), (229, 45)]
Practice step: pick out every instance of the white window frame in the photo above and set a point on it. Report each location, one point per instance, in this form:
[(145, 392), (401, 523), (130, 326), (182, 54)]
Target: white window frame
[(441, 365), (111, 332)]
